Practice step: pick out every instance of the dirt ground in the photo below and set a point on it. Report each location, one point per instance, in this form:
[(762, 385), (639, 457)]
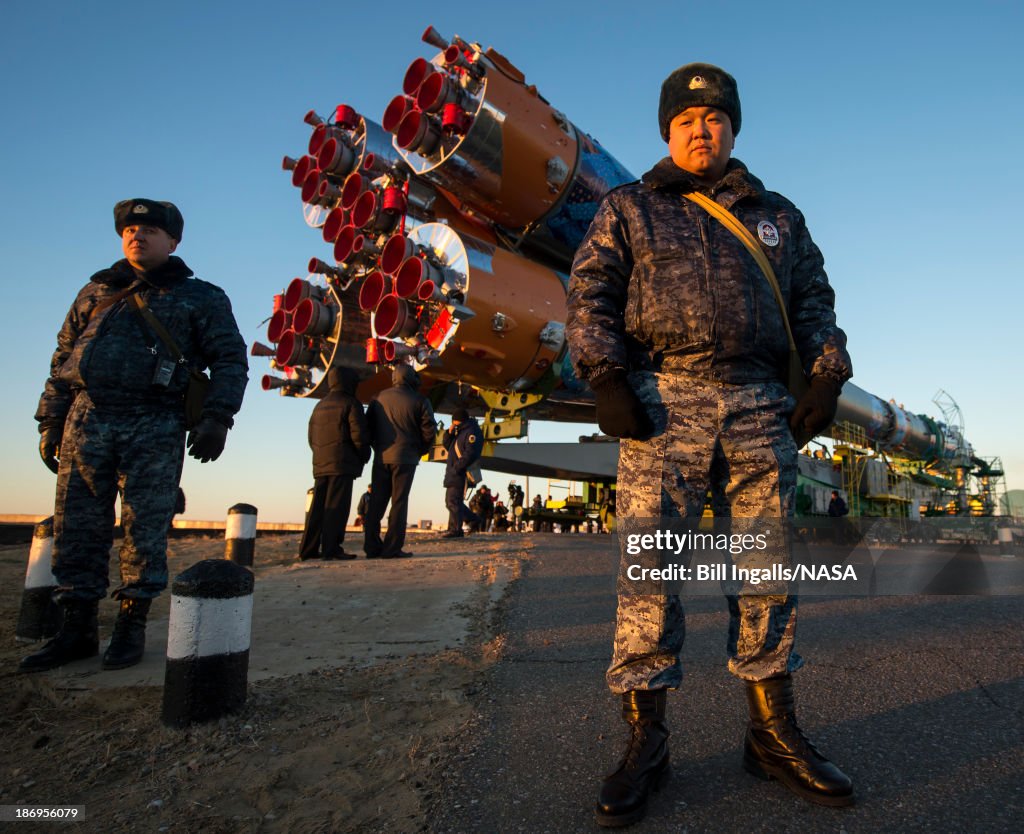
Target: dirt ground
[(358, 740)]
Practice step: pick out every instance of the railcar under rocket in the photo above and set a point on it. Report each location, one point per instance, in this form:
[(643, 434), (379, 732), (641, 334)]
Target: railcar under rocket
[(448, 231)]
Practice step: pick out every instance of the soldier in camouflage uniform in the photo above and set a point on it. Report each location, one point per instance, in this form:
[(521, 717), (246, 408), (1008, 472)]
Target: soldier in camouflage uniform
[(112, 422), (677, 330)]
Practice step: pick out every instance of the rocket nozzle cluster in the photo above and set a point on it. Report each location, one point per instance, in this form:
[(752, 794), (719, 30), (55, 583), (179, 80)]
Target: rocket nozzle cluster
[(471, 177)]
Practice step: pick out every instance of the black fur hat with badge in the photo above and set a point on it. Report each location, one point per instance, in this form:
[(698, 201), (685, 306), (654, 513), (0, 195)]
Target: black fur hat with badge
[(142, 212), (698, 85)]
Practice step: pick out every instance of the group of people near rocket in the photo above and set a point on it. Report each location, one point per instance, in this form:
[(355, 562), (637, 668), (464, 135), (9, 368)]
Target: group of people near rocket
[(672, 323)]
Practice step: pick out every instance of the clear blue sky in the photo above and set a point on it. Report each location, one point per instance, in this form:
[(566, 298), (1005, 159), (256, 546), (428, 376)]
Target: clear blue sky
[(895, 127)]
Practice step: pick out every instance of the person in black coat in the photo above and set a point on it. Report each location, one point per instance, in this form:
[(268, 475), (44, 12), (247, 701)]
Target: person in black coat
[(340, 442), (464, 442), (401, 422)]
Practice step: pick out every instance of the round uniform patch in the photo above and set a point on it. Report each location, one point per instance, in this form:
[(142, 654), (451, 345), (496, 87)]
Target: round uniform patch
[(768, 233)]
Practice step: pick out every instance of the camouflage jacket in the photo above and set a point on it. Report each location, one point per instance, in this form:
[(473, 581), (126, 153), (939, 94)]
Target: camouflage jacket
[(657, 276), (106, 352)]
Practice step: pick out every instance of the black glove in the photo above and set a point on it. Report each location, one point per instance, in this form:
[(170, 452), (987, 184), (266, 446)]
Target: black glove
[(49, 446), (206, 441), (815, 410), (619, 410)]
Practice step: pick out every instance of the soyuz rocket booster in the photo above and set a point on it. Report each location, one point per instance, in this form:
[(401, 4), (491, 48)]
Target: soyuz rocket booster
[(451, 226)]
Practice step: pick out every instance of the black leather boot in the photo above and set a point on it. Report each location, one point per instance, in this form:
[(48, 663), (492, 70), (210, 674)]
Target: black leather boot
[(128, 641), (645, 766), (775, 747), (77, 639)]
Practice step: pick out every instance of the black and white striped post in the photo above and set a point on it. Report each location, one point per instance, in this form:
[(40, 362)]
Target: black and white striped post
[(240, 535), (208, 642), (40, 617)]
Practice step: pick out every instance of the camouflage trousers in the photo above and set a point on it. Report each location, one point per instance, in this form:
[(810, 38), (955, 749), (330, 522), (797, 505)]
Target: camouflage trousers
[(136, 455), (731, 440)]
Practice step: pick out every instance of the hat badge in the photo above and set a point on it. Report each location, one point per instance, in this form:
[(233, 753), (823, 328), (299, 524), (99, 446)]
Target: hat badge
[(698, 83), (140, 209)]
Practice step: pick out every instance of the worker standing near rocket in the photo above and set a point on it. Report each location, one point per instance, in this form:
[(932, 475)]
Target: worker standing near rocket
[(696, 390)]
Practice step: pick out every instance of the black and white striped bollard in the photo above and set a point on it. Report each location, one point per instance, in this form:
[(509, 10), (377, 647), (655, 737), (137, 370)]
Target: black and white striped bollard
[(40, 617), (240, 535), (208, 642)]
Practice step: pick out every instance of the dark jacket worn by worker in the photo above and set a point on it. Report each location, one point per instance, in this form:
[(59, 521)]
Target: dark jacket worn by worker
[(400, 419), (337, 428), (106, 353), (464, 448), (657, 276)]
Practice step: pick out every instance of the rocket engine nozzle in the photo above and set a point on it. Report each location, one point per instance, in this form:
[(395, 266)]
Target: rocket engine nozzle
[(294, 349), (395, 112), (417, 72), (393, 319), (354, 187), (418, 133), (317, 266), (335, 222), (327, 193), (397, 248), (280, 321), (299, 290), (260, 349), (436, 91), (374, 287), (313, 119), (390, 351), (336, 157), (313, 318), (311, 188), (413, 272), (271, 382), (432, 37), (429, 291), (301, 170), (345, 243), (289, 163)]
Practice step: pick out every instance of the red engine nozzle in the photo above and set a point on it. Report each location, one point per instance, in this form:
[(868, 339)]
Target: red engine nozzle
[(313, 118), (395, 112), (418, 133), (294, 349), (352, 190), (395, 350), (414, 75), (298, 290), (436, 91), (301, 170), (345, 244), (373, 289), (270, 382), (413, 272), (321, 268), (396, 250), (337, 157), (280, 321), (313, 318), (335, 222), (433, 37), (311, 186), (393, 318)]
